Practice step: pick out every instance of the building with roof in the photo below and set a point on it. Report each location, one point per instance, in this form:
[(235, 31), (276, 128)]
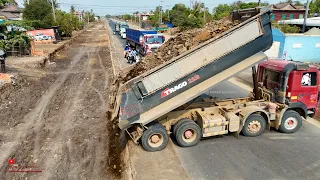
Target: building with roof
[(310, 22), (79, 15), (284, 11), (11, 12)]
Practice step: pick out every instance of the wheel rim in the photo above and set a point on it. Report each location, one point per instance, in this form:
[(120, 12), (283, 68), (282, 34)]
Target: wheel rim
[(189, 135), (155, 140), (290, 123), (254, 126)]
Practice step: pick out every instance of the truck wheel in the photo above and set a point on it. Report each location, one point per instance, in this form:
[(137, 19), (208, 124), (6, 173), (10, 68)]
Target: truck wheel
[(254, 125), (155, 138), (188, 134), (178, 124), (291, 122)]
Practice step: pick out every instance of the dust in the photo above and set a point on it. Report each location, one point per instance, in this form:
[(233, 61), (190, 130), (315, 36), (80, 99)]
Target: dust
[(181, 43)]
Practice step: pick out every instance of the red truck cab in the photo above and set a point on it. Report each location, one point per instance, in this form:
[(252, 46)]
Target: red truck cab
[(293, 83)]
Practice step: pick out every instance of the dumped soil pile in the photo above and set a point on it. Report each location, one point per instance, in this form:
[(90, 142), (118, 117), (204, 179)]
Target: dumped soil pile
[(181, 43)]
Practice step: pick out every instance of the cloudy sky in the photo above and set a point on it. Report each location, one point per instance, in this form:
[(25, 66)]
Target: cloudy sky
[(103, 7)]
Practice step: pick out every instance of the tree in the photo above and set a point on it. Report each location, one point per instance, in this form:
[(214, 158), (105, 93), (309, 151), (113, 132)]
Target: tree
[(286, 28), (55, 4), (3, 2), (39, 10), (298, 3), (72, 10), (314, 7), (179, 14), (221, 11)]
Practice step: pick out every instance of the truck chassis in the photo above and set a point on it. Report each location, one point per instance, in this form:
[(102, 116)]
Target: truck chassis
[(191, 122)]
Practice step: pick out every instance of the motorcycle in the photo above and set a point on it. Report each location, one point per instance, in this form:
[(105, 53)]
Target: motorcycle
[(133, 58), (2, 60)]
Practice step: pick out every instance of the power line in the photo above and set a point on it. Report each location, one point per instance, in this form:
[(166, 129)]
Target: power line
[(95, 5)]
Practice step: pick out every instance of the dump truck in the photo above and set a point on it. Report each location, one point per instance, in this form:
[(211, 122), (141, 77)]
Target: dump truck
[(145, 41), (161, 101)]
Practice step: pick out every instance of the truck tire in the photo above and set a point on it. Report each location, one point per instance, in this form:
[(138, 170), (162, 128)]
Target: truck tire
[(178, 124), (291, 122), (155, 138), (254, 126), (188, 134)]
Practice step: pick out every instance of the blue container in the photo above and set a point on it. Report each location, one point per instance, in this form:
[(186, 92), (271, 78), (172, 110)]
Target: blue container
[(134, 35)]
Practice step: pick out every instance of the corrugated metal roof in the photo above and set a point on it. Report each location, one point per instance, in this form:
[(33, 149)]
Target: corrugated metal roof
[(315, 21)]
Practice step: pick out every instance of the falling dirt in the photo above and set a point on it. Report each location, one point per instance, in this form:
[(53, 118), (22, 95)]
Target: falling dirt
[(56, 119), (181, 43)]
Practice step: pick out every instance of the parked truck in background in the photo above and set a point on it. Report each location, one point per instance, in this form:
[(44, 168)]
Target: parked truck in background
[(145, 41), (162, 100), (123, 29)]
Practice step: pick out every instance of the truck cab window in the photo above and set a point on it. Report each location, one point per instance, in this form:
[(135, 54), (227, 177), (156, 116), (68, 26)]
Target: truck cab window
[(309, 79)]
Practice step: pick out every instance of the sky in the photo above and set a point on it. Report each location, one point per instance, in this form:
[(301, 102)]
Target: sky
[(116, 7)]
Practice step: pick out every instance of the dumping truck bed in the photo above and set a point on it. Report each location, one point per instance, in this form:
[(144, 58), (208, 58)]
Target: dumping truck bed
[(149, 96)]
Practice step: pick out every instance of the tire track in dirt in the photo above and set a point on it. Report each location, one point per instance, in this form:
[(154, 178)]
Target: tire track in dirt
[(51, 162), (68, 135), (20, 132)]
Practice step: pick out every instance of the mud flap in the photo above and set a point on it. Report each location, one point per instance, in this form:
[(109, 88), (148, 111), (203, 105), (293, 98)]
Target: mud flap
[(237, 133)]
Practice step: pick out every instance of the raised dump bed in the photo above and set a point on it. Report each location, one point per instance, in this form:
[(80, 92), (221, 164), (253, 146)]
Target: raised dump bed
[(164, 88)]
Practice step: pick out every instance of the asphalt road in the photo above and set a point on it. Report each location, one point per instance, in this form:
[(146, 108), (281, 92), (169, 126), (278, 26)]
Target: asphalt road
[(272, 155)]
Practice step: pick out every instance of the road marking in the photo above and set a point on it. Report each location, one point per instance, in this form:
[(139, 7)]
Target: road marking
[(282, 137), (237, 82), (313, 122)]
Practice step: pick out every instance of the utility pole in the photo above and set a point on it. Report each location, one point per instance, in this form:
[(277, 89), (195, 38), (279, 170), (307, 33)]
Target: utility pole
[(53, 11), (305, 17), (204, 11), (161, 11)]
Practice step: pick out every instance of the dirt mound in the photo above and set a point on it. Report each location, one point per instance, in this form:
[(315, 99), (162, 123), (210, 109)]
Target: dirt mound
[(181, 43)]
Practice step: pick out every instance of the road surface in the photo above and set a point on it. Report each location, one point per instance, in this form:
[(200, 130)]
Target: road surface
[(54, 120)]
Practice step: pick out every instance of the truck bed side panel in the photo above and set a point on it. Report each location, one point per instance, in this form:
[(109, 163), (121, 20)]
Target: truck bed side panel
[(202, 57)]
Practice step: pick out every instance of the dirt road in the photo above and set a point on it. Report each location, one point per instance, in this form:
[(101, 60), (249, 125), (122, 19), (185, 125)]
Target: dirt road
[(55, 118)]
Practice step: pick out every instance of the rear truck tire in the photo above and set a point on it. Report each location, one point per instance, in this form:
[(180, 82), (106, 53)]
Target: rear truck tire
[(291, 122), (188, 134), (254, 126), (178, 124), (155, 138)]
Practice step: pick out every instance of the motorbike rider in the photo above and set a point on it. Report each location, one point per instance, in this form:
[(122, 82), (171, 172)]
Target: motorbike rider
[(126, 51), (132, 55)]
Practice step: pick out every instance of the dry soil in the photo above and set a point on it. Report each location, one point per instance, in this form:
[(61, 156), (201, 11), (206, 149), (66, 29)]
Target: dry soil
[(55, 118)]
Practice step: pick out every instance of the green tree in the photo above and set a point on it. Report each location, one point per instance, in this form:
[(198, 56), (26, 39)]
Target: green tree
[(126, 17), (298, 3), (314, 7), (221, 11), (3, 2), (72, 10), (39, 10), (179, 14), (286, 28)]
